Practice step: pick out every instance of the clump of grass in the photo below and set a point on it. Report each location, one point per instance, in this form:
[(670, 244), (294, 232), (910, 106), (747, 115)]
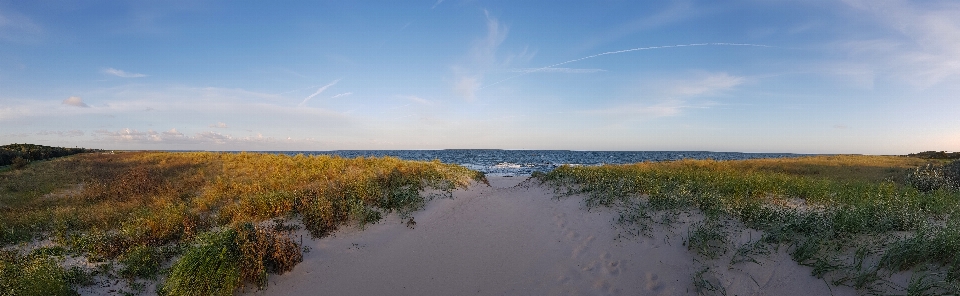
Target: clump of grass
[(706, 283), (38, 273), (928, 245), (708, 239), (209, 267), (820, 207), (141, 262)]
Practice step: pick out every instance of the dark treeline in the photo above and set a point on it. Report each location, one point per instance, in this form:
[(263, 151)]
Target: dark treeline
[(18, 153), (936, 155)]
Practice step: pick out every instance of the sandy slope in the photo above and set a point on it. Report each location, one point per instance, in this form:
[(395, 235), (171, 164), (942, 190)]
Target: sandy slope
[(506, 240)]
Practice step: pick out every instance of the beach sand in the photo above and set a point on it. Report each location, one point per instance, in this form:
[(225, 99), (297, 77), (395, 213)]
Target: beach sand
[(521, 240)]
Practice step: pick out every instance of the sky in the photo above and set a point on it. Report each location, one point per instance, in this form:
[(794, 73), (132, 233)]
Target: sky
[(796, 76)]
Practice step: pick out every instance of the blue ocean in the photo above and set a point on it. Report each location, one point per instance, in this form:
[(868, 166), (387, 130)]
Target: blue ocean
[(525, 162)]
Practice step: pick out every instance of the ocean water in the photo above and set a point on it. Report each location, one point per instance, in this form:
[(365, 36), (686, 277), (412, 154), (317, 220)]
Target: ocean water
[(525, 162)]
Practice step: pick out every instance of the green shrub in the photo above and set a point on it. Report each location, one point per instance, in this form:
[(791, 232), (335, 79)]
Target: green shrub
[(933, 177), (211, 266), (951, 172), (220, 262), (141, 262), (34, 274)]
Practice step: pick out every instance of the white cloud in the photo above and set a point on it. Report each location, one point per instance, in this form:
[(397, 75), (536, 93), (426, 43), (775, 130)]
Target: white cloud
[(173, 133), (121, 73), (320, 90), (75, 101), (219, 125)]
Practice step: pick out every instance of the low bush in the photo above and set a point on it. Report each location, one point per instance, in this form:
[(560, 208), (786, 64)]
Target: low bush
[(220, 262), (37, 274)]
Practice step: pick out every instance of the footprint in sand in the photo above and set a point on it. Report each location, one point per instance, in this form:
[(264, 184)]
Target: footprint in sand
[(583, 247), (653, 282)]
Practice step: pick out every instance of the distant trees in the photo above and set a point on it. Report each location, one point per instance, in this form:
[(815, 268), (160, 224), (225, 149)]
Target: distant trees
[(19, 155), (936, 155)]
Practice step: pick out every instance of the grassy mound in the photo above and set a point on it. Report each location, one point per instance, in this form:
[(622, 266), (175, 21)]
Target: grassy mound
[(141, 209), (823, 209)]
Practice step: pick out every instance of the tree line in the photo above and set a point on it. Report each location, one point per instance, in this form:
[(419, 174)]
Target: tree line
[(20, 154)]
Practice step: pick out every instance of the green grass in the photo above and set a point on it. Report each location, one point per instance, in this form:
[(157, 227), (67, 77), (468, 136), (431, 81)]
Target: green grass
[(823, 209), (141, 209)]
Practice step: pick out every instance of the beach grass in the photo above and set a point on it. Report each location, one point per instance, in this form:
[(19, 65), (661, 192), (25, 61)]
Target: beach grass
[(141, 209), (854, 219)]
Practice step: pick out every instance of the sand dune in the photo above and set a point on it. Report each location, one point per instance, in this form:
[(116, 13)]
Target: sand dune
[(521, 240)]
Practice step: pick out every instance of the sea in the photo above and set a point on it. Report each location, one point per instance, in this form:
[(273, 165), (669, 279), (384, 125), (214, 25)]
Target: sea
[(524, 162)]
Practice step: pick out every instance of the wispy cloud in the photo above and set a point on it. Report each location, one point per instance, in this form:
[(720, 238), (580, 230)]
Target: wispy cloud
[(662, 109), (706, 84), (121, 73), (484, 57), (674, 97), (341, 95), (219, 125), (75, 101), (922, 45), (625, 51), (467, 87), (15, 27), (435, 4), (62, 134), (677, 11), (173, 136), (320, 90), (556, 70), (417, 100)]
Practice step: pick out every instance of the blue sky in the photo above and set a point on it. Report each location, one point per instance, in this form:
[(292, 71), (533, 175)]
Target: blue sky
[(851, 76)]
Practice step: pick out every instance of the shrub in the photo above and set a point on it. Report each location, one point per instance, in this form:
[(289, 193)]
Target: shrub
[(220, 262), (951, 172), (19, 162), (140, 262), (35, 274), (929, 178)]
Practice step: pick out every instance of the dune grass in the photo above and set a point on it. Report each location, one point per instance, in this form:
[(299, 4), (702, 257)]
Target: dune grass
[(140, 209), (824, 209)]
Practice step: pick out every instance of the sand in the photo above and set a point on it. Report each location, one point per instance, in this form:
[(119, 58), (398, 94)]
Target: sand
[(522, 240)]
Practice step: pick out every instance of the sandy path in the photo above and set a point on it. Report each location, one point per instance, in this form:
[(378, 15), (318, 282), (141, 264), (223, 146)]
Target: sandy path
[(505, 240)]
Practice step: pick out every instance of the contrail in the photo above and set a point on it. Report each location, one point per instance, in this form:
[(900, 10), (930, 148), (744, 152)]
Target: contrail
[(341, 95), (623, 51), (322, 88)]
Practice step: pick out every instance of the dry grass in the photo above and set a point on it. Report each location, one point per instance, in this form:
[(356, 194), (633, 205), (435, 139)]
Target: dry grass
[(821, 208), (126, 202)]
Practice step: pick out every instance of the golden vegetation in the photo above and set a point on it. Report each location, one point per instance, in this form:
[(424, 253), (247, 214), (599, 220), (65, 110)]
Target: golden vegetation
[(109, 206)]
